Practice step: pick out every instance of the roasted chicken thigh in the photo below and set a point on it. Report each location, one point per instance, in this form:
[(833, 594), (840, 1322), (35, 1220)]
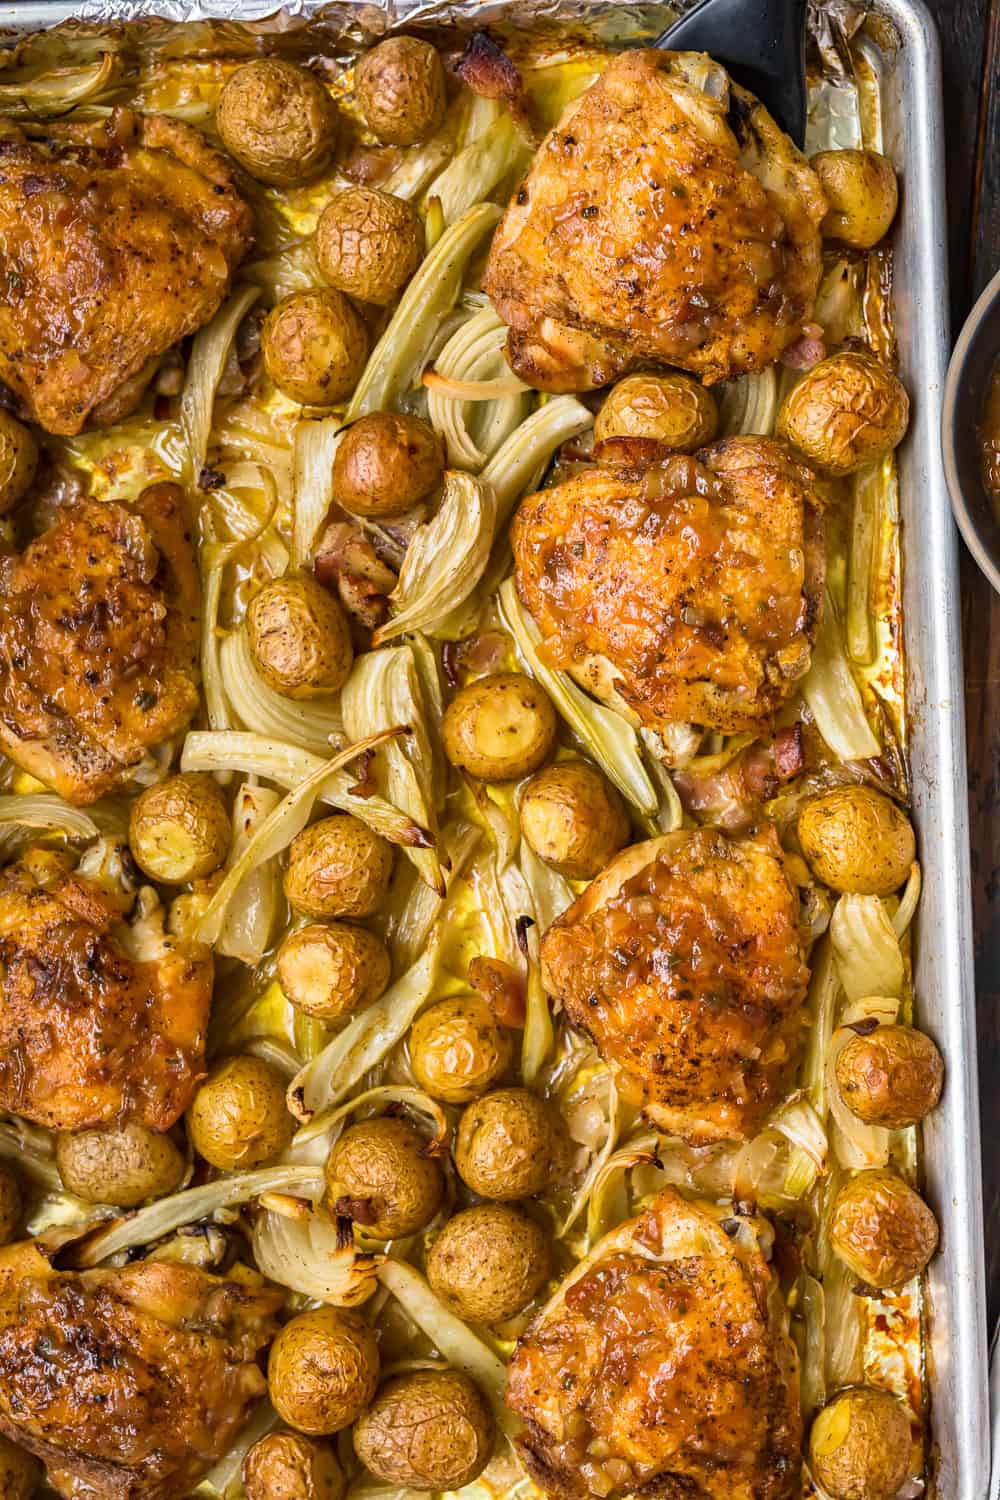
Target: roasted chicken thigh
[(118, 239), (662, 1366), (684, 962), (666, 219)]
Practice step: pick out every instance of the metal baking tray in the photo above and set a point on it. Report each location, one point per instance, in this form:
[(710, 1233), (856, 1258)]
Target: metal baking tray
[(905, 54)]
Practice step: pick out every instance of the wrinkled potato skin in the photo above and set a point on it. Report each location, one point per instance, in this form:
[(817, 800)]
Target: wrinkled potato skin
[(573, 819), (499, 728), (238, 1119), (399, 86), (18, 461), (323, 1370), (386, 464), (860, 1445), (856, 839), (123, 1166), (329, 970), (378, 1174), (457, 1049), (315, 346), (369, 243), (11, 1210), (20, 1473), (429, 1430), (278, 121), (892, 1077), (489, 1262), (179, 829), (508, 1145), (299, 637), (338, 868), (847, 411), (881, 1229), (673, 409), (288, 1466), (860, 187)]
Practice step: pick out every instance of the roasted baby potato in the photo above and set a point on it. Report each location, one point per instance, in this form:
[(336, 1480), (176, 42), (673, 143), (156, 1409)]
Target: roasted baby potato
[(330, 970), (315, 345), (891, 1077), (338, 868), (856, 839), (846, 412), (386, 463), (380, 1175), (278, 121), (881, 1229), (123, 1165), (573, 819), (18, 461), (399, 87), (860, 187), (429, 1430), (323, 1370), (179, 829), (369, 243), (860, 1446), (288, 1466), (457, 1049), (20, 1473), (11, 1208), (299, 637), (672, 409), (499, 728), (488, 1262), (508, 1145), (238, 1117)]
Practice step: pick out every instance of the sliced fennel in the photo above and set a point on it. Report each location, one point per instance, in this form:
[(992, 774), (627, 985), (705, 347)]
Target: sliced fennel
[(315, 448), (247, 929), (869, 958), (314, 724), (474, 432), (833, 695), (478, 169), (209, 353), (749, 405), (61, 90), (313, 1258)]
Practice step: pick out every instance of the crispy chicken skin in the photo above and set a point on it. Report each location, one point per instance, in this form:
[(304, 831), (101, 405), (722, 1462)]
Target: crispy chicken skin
[(666, 219), (128, 1384), (99, 641), (682, 589), (684, 961), (118, 239), (663, 1366), (98, 1021)]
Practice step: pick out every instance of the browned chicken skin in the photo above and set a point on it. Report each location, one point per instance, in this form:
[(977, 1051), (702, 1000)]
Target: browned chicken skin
[(663, 1366), (98, 1022), (117, 239), (684, 589), (684, 962), (666, 219), (99, 641), (129, 1384)]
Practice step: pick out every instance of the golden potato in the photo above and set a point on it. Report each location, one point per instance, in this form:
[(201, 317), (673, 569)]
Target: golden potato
[(288, 1466), (20, 1473), (499, 728), (299, 637), (18, 461), (856, 839), (338, 868), (386, 463), (860, 187), (508, 1145), (278, 121), (315, 345), (890, 1077), (11, 1206), (238, 1118), (673, 409), (400, 89), (380, 1175), (329, 971), (123, 1165), (429, 1430), (368, 243), (489, 1262), (179, 829), (457, 1049), (882, 1230), (860, 1445), (573, 819), (846, 412), (323, 1370)]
